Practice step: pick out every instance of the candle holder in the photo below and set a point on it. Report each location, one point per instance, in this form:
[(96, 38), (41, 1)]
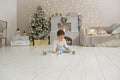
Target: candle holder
[(44, 49), (73, 52), (44, 53)]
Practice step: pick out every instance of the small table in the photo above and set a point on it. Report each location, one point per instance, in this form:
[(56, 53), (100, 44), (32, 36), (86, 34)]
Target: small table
[(0, 42), (119, 35)]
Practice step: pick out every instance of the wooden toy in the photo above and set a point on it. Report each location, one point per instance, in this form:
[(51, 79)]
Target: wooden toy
[(67, 50)]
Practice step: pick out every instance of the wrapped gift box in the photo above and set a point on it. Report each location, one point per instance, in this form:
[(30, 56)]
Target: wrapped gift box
[(31, 43), (20, 41), (40, 42)]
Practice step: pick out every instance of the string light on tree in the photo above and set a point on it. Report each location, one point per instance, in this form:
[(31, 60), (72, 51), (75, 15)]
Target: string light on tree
[(40, 27)]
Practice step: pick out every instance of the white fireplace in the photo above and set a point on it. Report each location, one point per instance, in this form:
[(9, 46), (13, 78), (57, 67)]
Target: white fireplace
[(70, 28)]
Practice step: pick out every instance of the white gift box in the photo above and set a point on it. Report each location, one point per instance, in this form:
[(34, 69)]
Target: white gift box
[(20, 41)]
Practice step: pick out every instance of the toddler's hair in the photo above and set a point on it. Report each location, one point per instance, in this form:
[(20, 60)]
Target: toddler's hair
[(60, 32)]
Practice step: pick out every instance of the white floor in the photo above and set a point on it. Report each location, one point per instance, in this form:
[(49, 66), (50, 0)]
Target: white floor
[(27, 63)]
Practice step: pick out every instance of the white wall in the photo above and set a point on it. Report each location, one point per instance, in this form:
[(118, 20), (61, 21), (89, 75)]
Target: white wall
[(8, 12), (23, 14), (94, 12)]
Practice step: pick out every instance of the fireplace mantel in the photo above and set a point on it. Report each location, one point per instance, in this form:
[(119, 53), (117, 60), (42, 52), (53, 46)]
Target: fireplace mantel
[(71, 28), (70, 19)]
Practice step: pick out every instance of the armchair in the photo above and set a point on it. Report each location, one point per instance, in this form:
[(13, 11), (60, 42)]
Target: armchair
[(92, 40)]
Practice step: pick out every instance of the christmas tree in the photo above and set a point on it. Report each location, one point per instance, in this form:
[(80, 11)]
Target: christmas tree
[(40, 26)]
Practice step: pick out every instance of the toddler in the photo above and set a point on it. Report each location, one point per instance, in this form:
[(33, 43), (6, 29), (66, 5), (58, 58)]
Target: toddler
[(60, 45)]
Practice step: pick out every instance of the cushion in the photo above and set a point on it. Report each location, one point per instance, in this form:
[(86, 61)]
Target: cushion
[(91, 31), (101, 31), (112, 28), (116, 31)]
